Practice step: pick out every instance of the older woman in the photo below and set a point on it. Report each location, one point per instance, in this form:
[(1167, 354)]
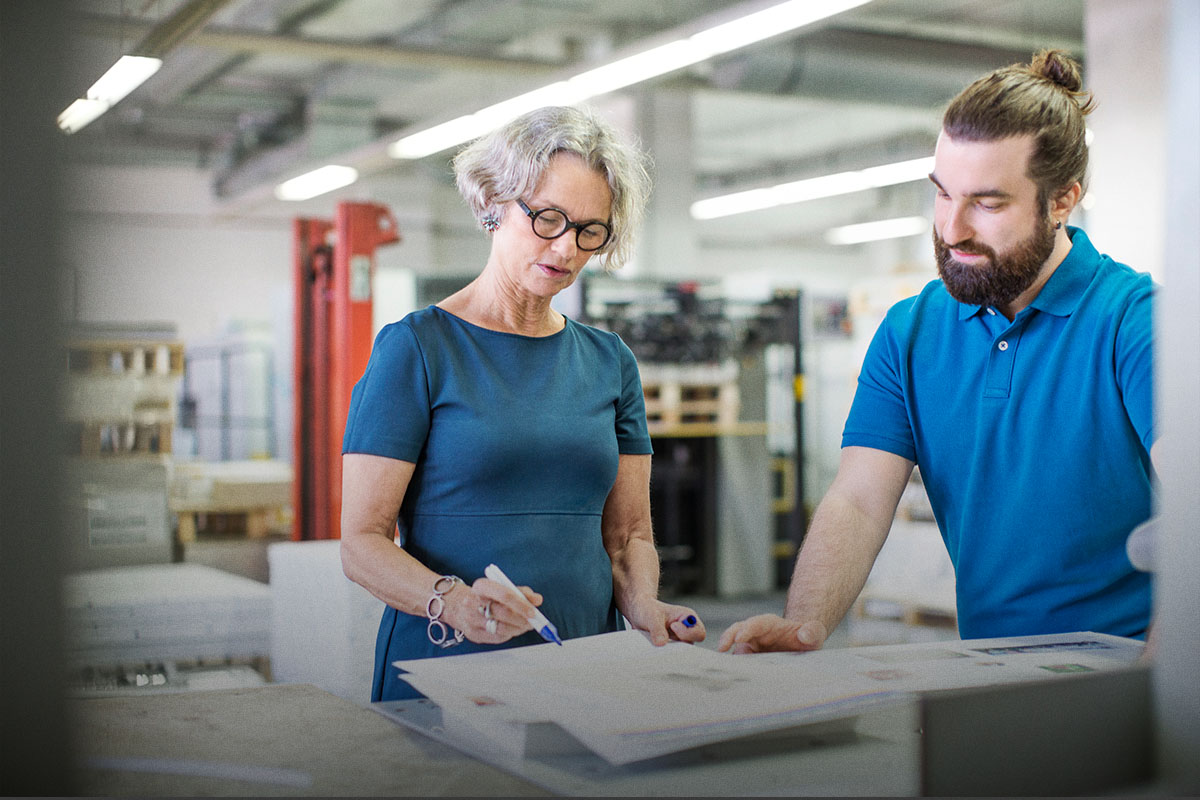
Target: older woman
[(496, 430)]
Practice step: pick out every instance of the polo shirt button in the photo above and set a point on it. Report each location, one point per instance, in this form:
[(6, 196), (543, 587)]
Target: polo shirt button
[(1003, 345), (992, 311)]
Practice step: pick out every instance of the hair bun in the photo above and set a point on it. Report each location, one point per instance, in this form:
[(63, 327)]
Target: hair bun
[(1057, 66)]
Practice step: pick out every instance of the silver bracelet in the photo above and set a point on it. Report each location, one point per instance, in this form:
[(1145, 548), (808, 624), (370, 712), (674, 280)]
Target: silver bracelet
[(438, 631)]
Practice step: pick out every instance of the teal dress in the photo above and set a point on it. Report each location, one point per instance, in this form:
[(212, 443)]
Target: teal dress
[(516, 442)]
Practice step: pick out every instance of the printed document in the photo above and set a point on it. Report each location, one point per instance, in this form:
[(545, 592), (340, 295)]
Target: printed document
[(627, 700)]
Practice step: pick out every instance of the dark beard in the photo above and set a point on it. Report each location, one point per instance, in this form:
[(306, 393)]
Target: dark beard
[(1003, 279)]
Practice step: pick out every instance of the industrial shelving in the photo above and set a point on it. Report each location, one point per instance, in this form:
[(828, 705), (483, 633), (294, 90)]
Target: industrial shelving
[(120, 398), (121, 395)]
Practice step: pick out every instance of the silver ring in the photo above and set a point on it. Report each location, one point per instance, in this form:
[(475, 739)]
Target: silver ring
[(490, 626), (487, 611)]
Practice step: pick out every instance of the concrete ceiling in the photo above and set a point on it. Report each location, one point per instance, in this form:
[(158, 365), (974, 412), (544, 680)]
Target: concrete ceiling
[(261, 86)]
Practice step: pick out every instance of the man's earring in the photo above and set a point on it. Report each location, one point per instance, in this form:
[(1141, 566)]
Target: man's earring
[(1058, 225), (490, 223)]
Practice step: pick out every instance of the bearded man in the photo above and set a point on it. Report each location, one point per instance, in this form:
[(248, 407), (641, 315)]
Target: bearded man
[(1021, 382)]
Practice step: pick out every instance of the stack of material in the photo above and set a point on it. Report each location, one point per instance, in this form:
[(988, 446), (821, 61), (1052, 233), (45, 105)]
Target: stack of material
[(912, 579), (165, 612), (257, 491), (323, 624), (117, 511)]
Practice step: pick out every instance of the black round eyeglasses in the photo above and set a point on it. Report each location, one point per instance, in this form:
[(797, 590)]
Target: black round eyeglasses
[(551, 223)]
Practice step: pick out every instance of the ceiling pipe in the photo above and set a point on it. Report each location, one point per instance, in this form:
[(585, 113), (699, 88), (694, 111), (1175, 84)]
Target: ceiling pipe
[(170, 32), (383, 55)]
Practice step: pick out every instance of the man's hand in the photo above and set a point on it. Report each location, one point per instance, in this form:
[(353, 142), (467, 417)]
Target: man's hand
[(767, 632)]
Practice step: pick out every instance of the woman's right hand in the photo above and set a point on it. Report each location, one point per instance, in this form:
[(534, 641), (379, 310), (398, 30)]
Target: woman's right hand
[(473, 607)]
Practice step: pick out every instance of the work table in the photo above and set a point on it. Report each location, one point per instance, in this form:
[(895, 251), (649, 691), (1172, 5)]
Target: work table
[(276, 740), (1070, 733)]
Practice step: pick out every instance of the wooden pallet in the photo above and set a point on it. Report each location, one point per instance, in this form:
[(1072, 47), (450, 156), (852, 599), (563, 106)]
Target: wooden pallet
[(114, 439), (679, 403), (249, 498), (906, 611), (125, 357), (253, 523)]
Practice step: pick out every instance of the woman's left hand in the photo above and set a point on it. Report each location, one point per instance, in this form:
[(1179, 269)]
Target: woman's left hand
[(665, 622)]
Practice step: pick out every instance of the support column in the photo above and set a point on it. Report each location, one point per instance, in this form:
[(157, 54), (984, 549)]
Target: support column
[(1177, 698), (1144, 66), (1126, 68), (668, 248)]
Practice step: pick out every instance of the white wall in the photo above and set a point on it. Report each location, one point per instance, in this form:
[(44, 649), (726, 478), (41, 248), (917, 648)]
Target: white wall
[(146, 245), (152, 244), (1126, 68)]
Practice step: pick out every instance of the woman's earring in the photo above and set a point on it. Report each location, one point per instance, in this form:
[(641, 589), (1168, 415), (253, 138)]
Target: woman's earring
[(490, 223)]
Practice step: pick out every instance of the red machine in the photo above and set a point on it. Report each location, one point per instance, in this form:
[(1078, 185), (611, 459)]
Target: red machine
[(334, 267)]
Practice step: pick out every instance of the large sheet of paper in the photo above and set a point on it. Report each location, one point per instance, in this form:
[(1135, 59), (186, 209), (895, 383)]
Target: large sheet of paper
[(626, 700)]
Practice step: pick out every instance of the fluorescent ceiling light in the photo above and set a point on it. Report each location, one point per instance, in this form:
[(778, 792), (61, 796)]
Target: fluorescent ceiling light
[(813, 188), (471, 126), (876, 231), (759, 25), (638, 67), (319, 181), (642, 66), (80, 114), (121, 78)]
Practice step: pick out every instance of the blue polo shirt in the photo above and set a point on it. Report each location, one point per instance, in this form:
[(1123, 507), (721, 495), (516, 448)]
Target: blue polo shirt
[(1033, 440)]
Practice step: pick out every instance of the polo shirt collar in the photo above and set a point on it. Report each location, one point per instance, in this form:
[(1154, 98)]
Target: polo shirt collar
[(1062, 293)]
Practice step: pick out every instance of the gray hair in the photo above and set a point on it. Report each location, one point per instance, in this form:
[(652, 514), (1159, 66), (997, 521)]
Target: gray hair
[(510, 162)]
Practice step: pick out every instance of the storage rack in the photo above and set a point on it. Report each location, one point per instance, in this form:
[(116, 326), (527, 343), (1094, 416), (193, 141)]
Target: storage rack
[(224, 431), (121, 387), (121, 395)]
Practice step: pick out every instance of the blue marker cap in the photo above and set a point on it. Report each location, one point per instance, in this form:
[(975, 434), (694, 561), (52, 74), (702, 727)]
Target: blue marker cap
[(550, 633), (689, 621)]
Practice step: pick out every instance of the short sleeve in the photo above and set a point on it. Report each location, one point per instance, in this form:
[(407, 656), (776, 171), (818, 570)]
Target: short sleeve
[(1134, 361), (633, 437), (389, 406), (878, 416)]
